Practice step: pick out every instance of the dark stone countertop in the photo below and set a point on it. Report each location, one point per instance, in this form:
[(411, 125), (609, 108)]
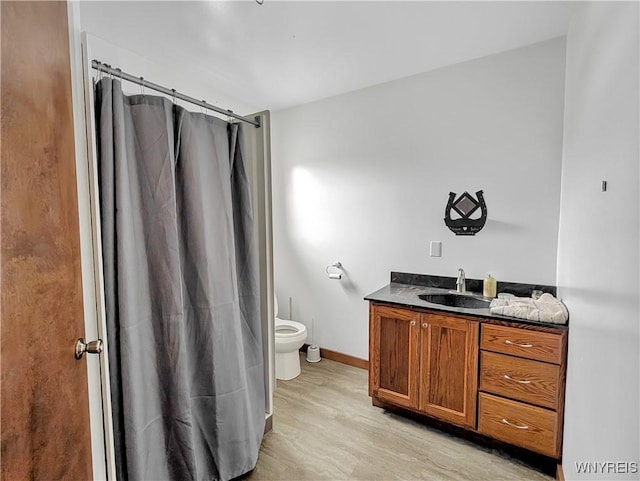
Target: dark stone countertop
[(406, 294)]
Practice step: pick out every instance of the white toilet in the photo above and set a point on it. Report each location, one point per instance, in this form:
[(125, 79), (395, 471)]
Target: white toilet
[(290, 337)]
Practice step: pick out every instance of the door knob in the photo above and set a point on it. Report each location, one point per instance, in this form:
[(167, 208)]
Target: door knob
[(425, 325), (92, 347)]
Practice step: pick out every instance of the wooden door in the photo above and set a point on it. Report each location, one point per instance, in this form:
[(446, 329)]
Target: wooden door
[(45, 410), (394, 354), (449, 368)]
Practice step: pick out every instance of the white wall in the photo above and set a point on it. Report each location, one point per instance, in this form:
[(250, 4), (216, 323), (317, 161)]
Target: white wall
[(598, 259), (364, 178)]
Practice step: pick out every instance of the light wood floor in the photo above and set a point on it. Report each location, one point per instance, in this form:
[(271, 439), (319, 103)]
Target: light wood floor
[(325, 428)]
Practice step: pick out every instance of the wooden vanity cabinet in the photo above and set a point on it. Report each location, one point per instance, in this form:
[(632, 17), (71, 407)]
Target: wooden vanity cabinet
[(501, 379), (425, 362)]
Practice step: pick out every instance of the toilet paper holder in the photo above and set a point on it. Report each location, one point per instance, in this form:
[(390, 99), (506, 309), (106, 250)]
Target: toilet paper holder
[(334, 271)]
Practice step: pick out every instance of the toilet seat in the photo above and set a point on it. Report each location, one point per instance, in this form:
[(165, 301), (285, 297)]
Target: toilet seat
[(286, 329)]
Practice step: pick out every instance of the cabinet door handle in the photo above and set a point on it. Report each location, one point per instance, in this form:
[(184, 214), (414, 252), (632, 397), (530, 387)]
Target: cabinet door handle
[(412, 323), (424, 325), (511, 343), (515, 425), (519, 381)]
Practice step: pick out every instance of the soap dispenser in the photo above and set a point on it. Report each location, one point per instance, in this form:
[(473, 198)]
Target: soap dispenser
[(489, 286)]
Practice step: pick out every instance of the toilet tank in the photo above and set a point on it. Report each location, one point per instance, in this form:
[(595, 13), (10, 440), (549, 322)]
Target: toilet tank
[(275, 304)]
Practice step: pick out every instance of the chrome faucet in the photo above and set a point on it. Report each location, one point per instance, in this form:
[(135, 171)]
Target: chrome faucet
[(461, 282)]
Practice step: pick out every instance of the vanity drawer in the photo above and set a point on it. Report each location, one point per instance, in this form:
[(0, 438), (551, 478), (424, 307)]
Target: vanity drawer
[(526, 426), (530, 381), (541, 346)]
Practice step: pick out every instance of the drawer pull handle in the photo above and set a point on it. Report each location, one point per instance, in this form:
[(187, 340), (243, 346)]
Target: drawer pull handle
[(412, 323), (519, 381), (514, 425), (511, 343)]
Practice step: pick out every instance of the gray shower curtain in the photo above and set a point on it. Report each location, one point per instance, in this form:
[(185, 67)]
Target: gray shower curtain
[(181, 286)]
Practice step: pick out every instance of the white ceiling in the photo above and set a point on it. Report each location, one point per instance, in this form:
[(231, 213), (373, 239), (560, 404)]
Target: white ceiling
[(282, 54)]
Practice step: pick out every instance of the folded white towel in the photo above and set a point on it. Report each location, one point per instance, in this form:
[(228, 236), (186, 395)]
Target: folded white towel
[(545, 309)]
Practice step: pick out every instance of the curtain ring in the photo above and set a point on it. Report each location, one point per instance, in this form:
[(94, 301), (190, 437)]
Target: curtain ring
[(230, 119), (203, 109), (120, 72), (175, 101), (142, 86)]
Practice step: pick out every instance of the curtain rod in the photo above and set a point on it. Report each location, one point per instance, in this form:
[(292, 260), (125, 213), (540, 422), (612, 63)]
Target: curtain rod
[(116, 72)]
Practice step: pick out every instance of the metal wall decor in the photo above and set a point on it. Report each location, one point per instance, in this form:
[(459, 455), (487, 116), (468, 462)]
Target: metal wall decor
[(465, 206)]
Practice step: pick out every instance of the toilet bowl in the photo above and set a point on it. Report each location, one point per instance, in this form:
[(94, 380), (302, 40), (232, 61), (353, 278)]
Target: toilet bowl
[(290, 336)]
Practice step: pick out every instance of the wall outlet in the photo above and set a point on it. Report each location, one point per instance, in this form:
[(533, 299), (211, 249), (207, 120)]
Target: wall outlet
[(435, 249)]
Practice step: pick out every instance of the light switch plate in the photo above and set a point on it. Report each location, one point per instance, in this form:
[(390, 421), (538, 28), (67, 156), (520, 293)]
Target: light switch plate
[(435, 249)]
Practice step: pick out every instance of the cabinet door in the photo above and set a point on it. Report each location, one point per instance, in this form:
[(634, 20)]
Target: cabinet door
[(449, 368), (394, 365)]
